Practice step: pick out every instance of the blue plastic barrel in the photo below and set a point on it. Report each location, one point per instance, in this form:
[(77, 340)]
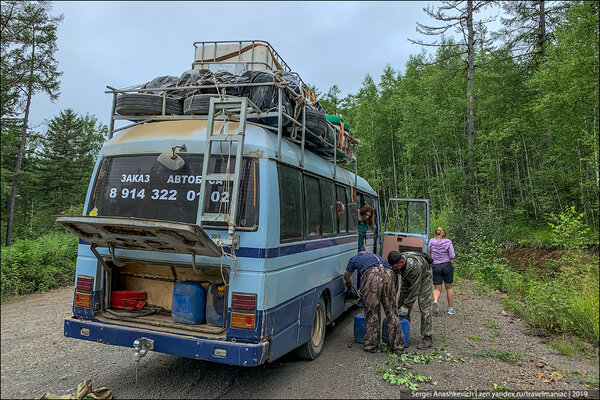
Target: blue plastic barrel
[(215, 305), (189, 302), (404, 324)]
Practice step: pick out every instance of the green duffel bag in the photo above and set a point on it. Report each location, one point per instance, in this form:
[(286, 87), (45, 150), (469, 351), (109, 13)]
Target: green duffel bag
[(334, 119)]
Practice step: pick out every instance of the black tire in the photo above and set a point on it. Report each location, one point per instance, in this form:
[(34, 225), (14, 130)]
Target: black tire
[(312, 349), (198, 105), (316, 122), (146, 104), (330, 135)]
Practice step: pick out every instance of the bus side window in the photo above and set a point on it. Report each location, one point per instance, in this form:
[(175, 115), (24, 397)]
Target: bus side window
[(370, 201), (290, 203), (341, 207), (352, 210), (328, 207), (313, 207)]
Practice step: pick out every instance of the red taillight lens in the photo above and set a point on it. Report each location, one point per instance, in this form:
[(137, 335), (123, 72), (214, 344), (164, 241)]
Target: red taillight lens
[(242, 301), (85, 283)]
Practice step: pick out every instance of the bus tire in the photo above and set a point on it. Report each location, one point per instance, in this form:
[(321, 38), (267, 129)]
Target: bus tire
[(312, 349), (316, 122), (146, 104), (196, 104)]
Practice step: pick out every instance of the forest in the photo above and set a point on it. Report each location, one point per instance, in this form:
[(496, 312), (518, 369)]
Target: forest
[(499, 129)]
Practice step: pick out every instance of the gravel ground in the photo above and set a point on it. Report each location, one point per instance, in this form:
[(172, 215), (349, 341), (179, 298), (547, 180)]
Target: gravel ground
[(37, 358)]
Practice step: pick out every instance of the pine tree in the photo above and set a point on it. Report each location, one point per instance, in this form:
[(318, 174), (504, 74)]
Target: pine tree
[(32, 50), (67, 155)]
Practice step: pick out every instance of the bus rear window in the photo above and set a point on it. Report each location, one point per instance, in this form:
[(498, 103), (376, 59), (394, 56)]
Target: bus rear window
[(138, 186)]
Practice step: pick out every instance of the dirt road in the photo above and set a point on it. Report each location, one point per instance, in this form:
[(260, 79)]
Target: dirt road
[(37, 358)]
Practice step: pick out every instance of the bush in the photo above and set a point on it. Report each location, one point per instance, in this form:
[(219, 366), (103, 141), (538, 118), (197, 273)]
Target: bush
[(568, 230), (30, 266), (560, 298)]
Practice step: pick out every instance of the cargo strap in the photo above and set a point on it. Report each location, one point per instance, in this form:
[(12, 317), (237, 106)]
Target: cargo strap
[(298, 99)]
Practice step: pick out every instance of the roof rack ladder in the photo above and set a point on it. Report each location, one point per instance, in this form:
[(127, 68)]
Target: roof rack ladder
[(235, 105)]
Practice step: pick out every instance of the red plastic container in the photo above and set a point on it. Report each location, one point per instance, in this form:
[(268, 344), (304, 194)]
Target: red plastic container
[(127, 299)]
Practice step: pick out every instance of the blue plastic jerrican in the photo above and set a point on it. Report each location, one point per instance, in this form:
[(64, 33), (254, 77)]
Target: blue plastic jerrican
[(404, 324), (360, 330), (215, 305), (189, 302)]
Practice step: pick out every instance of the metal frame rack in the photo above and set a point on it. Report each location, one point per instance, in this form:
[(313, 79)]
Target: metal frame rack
[(279, 113), (229, 108)]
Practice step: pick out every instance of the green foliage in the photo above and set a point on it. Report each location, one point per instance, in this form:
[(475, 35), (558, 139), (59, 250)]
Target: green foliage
[(568, 229), (482, 261), (506, 356), (67, 157), (397, 370), (474, 338), (561, 298), (30, 266)]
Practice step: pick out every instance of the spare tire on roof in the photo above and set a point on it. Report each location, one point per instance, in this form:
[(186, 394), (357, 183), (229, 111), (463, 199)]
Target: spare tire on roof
[(146, 104), (317, 123), (197, 104)]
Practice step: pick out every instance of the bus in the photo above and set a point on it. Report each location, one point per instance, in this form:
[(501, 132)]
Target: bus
[(254, 208)]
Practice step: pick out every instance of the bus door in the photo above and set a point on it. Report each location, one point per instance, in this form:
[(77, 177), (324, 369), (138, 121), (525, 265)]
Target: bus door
[(406, 226)]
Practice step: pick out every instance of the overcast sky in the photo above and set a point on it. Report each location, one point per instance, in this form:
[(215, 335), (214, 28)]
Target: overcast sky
[(125, 43)]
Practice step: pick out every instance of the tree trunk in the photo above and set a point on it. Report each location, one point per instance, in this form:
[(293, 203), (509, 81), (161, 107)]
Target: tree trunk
[(394, 165), (542, 26), (15, 182), (470, 124)]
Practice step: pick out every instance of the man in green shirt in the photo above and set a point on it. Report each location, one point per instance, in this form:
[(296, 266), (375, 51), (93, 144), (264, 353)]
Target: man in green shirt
[(417, 285)]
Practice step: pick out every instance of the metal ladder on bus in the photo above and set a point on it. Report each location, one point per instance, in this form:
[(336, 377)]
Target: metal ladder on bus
[(224, 106)]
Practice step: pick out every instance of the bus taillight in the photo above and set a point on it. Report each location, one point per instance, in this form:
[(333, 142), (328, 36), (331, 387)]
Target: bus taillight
[(83, 291), (243, 320), (85, 283), (243, 301), (243, 310), (83, 299)]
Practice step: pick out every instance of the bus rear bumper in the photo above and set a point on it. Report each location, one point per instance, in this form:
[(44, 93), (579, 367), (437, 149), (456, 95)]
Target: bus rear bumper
[(243, 354)]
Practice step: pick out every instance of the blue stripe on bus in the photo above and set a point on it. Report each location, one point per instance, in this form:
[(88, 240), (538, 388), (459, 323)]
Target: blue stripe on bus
[(256, 252)]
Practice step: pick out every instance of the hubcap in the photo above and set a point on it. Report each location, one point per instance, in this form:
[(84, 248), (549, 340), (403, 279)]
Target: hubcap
[(317, 329)]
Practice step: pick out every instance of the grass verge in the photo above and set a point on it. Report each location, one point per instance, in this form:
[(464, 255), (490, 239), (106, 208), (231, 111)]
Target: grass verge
[(30, 266)]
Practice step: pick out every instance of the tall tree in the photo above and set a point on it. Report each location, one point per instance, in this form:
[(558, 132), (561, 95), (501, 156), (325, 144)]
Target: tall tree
[(458, 15), (528, 28), (67, 156), (34, 48)]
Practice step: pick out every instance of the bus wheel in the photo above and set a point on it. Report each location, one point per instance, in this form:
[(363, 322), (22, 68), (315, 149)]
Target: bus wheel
[(314, 346)]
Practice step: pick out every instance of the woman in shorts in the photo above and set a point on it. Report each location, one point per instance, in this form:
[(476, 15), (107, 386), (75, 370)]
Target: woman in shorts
[(441, 251)]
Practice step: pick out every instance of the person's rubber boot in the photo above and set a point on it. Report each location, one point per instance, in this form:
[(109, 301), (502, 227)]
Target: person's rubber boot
[(436, 308), (426, 343)]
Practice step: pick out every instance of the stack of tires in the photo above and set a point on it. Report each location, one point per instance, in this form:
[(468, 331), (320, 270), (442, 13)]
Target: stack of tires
[(151, 102), (179, 99)]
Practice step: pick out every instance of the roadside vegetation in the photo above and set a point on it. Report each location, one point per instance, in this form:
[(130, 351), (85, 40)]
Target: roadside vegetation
[(30, 266), (558, 296)]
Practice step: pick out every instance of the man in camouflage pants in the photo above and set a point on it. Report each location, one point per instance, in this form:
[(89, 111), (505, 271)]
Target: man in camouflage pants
[(417, 284), (377, 286)]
